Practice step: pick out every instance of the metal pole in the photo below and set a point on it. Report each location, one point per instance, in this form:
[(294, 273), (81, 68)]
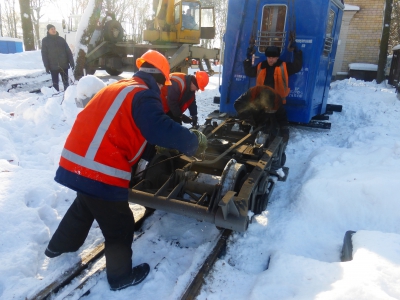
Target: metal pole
[(384, 42)]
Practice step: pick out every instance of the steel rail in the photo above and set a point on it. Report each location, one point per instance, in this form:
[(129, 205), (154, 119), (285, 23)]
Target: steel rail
[(75, 270)]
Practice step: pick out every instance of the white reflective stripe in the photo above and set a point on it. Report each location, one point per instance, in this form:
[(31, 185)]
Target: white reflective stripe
[(139, 152), (181, 81), (109, 116), (149, 70), (95, 166), (88, 160)]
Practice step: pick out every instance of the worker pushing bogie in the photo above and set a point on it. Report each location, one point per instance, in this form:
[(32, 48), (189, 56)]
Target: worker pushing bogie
[(106, 140)]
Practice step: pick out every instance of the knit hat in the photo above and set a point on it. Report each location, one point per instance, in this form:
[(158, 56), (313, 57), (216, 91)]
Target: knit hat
[(272, 51), (49, 26)]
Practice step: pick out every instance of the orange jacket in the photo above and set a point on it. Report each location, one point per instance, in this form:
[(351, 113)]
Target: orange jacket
[(281, 80), (181, 80), (105, 149)]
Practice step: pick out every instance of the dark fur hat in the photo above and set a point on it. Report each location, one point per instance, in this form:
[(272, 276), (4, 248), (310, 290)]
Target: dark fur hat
[(272, 51)]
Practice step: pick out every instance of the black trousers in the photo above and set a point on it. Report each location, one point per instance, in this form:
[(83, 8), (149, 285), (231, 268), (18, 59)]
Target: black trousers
[(55, 78), (116, 222)]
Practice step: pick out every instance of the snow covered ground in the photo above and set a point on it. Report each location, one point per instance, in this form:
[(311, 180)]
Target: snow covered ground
[(346, 178)]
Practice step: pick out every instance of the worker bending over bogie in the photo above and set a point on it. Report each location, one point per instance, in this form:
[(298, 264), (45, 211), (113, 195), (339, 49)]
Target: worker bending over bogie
[(181, 95)]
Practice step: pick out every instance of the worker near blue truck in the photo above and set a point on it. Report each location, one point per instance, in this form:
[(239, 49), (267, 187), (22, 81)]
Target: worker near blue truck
[(181, 95), (274, 72), (106, 140), (264, 103)]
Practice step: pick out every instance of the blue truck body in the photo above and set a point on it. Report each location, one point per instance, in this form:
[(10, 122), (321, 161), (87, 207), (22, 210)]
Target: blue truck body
[(316, 24)]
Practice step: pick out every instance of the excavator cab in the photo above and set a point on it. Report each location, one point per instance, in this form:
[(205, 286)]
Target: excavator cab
[(183, 22)]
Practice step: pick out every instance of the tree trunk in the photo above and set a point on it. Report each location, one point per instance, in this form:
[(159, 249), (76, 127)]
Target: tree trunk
[(27, 27), (95, 6), (384, 42)]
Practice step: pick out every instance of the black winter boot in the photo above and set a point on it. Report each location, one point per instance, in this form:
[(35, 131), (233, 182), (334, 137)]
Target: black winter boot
[(51, 254), (139, 273)]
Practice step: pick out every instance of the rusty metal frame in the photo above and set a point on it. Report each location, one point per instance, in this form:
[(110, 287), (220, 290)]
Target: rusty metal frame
[(181, 194)]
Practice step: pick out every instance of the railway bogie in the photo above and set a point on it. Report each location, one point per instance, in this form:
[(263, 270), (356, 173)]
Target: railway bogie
[(242, 167)]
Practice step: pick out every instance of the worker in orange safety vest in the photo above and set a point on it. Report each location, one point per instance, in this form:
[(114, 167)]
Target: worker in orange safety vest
[(106, 140), (274, 72), (180, 96)]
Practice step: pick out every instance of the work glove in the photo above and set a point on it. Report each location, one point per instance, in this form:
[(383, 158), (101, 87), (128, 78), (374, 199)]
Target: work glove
[(185, 119), (194, 121), (47, 70), (250, 51), (202, 141)]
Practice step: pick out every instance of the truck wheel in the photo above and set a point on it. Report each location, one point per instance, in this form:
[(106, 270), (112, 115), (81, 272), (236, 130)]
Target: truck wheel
[(113, 72), (113, 31)]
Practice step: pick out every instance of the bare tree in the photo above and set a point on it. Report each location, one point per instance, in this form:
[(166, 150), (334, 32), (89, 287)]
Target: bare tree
[(36, 6), (10, 18), (77, 8), (140, 11), (27, 27), (120, 8), (220, 9), (394, 38)]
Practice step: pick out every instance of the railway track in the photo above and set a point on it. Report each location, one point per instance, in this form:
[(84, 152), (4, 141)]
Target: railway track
[(89, 266), (31, 83), (248, 165), (79, 279)]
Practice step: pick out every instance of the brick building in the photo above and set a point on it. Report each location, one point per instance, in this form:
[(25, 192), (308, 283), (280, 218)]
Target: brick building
[(360, 34)]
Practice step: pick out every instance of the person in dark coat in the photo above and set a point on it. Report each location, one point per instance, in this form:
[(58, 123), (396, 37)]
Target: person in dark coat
[(57, 57), (106, 140)]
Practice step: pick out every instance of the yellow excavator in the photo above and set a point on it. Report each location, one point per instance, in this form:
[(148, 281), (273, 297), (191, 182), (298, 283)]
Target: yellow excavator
[(175, 31), (183, 22)]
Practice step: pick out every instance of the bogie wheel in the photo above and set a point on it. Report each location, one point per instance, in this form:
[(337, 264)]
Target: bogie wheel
[(113, 31), (261, 203), (232, 177)]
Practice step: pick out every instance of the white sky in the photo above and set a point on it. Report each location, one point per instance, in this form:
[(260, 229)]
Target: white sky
[(346, 178)]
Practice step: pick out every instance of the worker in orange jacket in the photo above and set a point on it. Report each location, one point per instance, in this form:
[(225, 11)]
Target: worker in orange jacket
[(180, 95), (274, 72), (106, 140)]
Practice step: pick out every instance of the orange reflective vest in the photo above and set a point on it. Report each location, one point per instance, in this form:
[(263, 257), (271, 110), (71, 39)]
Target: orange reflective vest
[(105, 148), (281, 80), (179, 78)]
